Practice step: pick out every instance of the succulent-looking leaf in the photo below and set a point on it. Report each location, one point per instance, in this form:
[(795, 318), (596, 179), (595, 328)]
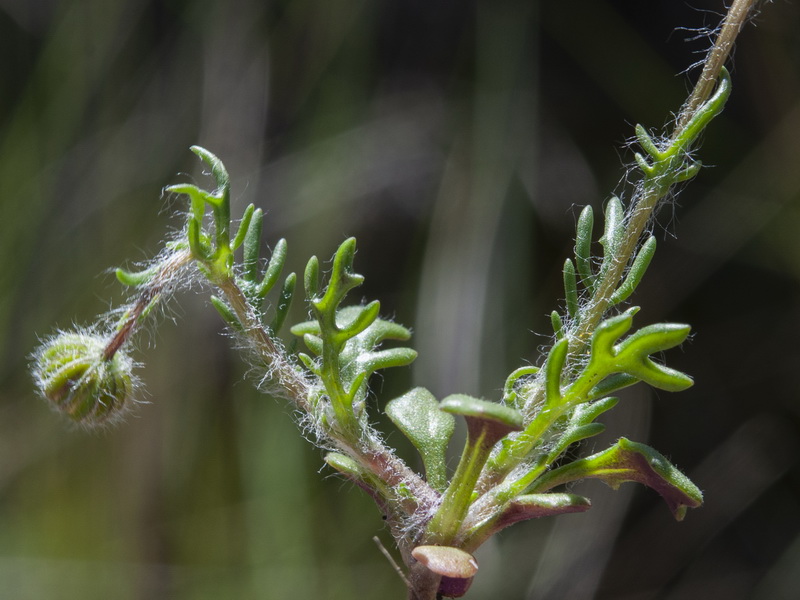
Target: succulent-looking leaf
[(636, 272), (487, 423), (570, 288), (284, 302), (273, 270), (553, 368), (252, 246), (226, 313), (244, 227), (416, 413), (355, 473), (510, 393), (647, 144), (135, 279), (311, 277), (630, 357), (534, 506), (358, 357), (611, 384), (614, 229), (342, 279), (580, 425), (631, 461), (583, 244), (558, 325), (498, 420), (705, 113)]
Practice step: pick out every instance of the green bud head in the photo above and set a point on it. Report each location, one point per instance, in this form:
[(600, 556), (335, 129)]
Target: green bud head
[(73, 373)]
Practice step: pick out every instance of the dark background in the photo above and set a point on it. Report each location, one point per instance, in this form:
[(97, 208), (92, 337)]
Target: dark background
[(457, 141)]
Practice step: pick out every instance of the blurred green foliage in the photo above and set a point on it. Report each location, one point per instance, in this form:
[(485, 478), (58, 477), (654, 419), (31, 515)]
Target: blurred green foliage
[(461, 135)]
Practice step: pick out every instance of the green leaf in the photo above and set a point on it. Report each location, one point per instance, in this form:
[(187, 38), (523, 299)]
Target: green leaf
[(580, 425), (358, 475), (227, 314), (583, 247), (705, 113), (218, 170), (535, 506), (309, 363), (197, 244), (273, 270), (197, 198), (362, 318), (510, 394), (483, 412), (252, 246), (630, 461), (636, 272), (244, 227), (632, 356), (487, 424), (369, 362), (284, 302), (342, 279), (570, 288), (647, 144), (613, 232), (553, 368), (132, 279), (557, 324), (611, 384), (311, 278), (416, 413), (358, 357)]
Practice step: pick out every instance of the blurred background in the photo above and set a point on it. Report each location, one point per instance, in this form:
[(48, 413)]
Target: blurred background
[(457, 140)]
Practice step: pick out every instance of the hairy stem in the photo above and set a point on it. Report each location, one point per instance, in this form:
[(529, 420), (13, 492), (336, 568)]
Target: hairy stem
[(651, 193), (370, 452), (731, 27), (164, 275)]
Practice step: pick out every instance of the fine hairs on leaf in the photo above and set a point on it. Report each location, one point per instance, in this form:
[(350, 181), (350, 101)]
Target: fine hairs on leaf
[(521, 448)]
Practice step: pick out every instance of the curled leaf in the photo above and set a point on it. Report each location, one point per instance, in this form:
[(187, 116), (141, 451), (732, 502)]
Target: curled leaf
[(553, 368), (630, 461), (535, 506)]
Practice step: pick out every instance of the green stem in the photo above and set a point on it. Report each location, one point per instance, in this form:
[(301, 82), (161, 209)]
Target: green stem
[(444, 525)]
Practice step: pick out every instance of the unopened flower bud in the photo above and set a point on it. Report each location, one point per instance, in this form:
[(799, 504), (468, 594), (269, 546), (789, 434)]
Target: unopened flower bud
[(73, 372)]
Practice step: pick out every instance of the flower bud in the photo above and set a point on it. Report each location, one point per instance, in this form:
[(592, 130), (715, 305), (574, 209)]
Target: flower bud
[(72, 372)]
